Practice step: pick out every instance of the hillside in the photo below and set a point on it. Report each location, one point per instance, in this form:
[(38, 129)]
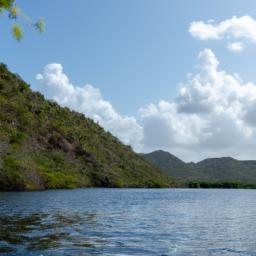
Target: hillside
[(171, 164), (43, 145), (225, 169)]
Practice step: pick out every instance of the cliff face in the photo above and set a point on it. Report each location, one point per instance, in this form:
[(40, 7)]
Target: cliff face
[(43, 145)]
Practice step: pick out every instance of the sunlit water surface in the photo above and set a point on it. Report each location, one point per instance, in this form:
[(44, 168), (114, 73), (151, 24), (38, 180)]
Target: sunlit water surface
[(128, 222)]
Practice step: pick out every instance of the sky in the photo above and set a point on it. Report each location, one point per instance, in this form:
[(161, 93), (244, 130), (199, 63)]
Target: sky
[(159, 74)]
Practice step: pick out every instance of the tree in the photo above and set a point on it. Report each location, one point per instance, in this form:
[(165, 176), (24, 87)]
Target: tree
[(15, 13)]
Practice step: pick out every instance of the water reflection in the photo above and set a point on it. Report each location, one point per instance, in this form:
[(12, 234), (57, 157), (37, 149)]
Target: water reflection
[(40, 232), (128, 222)]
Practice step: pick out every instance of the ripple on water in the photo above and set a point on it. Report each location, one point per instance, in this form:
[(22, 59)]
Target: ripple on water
[(128, 222)]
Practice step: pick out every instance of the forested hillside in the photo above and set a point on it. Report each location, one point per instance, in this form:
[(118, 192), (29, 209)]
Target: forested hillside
[(43, 145), (224, 171)]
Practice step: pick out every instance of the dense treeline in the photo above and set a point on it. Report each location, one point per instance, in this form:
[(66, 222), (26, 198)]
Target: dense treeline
[(204, 184)]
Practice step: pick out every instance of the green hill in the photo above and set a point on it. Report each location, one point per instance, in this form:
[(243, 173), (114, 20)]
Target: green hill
[(43, 145), (174, 166), (211, 170)]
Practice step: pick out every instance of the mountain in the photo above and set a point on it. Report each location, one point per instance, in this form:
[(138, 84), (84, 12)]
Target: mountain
[(169, 163), (225, 169), (44, 146)]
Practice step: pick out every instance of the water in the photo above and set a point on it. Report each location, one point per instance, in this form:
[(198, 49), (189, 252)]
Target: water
[(128, 222)]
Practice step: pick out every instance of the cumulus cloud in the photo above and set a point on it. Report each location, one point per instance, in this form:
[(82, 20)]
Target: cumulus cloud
[(236, 46), (238, 31), (213, 115), (87, 99)]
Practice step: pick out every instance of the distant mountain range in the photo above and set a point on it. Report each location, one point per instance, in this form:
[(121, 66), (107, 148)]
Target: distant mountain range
[(224, 169)]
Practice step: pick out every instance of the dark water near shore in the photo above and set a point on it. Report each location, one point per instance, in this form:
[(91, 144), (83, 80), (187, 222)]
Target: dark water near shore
[(128, 222)]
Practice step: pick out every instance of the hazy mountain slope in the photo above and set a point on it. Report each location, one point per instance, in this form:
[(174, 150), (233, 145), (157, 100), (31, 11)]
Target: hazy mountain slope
[(43, 145), (174, 166), (225, 169)]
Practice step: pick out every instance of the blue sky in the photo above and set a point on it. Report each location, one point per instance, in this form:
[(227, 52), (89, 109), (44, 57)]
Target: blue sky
[(136, 52)]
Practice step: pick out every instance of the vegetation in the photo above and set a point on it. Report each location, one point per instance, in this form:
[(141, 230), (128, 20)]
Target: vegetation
[(15, 13), (234, 185), (45, 146), (224, 172)]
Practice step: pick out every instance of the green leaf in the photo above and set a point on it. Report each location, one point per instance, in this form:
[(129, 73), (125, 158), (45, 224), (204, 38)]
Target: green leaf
[(6, 4), (13, 12), (17, 32), (40, 25)]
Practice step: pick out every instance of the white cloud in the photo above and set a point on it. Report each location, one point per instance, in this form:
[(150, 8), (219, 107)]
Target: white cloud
[(87, 99), (238, 31), (236, 46), (165, 127), (213, 115)]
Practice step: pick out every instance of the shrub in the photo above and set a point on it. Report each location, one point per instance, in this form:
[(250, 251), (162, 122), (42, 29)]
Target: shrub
[(17, 137), (56, 180), (10, 175)]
